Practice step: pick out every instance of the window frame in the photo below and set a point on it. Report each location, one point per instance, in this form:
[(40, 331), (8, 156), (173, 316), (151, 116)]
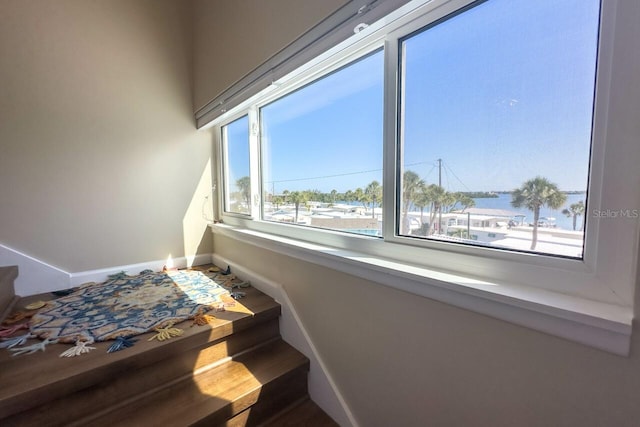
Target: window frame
[(515, 278), (470, 259), (224, 156), (332, 67)]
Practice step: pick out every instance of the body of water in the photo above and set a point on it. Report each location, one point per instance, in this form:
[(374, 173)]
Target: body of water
[(503, 201)]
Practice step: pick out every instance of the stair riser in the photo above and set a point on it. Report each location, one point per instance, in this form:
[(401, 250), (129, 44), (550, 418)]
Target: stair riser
[(272, 399), (216, 395), (121, 362), (128, 384)]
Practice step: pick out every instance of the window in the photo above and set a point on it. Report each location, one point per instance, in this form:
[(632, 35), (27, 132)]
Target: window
[(322, 151), (496, 117), (464, 112), (237, 179)]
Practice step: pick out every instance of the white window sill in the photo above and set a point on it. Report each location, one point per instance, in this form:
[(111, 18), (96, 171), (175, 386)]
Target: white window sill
[(600, 325)]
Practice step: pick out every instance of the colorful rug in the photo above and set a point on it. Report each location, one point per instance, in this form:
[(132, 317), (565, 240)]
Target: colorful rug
[(128, 305)]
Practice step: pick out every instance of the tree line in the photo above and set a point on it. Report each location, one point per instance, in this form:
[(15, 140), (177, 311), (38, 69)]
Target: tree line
[(533, 194)]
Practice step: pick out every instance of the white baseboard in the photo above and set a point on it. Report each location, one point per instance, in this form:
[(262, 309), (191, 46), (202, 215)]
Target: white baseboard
[(102, 274), (322, 388), (37, 277)]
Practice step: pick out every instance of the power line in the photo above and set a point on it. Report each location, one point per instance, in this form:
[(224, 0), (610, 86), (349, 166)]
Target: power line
[(456, 177), (325, 176), (336, 175), (370, 171)]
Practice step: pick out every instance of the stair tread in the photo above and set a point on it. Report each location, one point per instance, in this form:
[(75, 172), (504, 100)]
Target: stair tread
[(191, 400), (33, 379)]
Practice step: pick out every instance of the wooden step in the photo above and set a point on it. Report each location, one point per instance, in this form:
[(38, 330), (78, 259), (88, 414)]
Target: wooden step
[(44, 389), (266, 380)]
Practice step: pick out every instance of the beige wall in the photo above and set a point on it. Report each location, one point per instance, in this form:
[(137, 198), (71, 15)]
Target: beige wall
[(403, 360), (100, 163), (234, 37)]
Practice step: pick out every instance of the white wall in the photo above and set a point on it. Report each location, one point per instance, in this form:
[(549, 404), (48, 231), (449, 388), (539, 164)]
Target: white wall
[(100, 162)]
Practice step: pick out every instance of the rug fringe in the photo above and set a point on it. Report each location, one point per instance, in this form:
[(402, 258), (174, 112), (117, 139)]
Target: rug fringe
[(18, 316), (238, 295), (14, 341), (120, 275), (202, 318), (80, 348), (121, 343), (6, 331), (166, 333), (32, 348)]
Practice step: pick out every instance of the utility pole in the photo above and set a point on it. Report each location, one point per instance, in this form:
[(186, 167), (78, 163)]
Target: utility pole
[(440, 204)]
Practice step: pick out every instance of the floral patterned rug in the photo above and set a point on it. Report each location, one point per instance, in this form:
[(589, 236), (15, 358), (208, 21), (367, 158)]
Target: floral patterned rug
[(129, 305)]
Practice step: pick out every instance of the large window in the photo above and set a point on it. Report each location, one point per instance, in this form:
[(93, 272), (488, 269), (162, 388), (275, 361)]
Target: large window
[(496, 117), (492, 127), (494, 108), (322, 151)]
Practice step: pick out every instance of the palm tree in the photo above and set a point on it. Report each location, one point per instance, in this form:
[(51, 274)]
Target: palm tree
[(411, 185), (422, 199), (359, 196), (297, 197), (244, 187), (464, 199), (277, 201), (349, 196), (575, 210), (439, 197), (334, 193), (373, 192), (534, 194)]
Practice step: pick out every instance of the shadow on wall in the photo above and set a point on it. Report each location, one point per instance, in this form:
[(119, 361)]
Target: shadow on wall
[(195, 224)]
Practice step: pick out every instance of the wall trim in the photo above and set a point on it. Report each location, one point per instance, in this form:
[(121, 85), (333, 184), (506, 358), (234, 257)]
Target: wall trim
[(100, 275), (322, 387), (37, 277), (604, 326)]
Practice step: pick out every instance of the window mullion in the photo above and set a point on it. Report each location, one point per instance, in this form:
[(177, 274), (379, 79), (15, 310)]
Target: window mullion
[(390, 161), (254, 164)]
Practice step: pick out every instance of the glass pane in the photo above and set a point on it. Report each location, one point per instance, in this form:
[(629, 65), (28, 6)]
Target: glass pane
[(322, 151), (237, 184), (496, 117)]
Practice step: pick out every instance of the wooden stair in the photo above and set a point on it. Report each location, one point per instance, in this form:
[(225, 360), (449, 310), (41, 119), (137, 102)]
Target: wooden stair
[(235, 372)]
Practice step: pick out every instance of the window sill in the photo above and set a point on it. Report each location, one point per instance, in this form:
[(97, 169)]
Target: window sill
[(596, 324)]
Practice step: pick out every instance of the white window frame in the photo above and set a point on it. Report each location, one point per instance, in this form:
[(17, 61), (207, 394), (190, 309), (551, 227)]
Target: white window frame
[(224, 160), (588, 300)]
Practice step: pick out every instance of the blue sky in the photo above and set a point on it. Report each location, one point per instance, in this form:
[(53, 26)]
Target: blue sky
[(500, 93)]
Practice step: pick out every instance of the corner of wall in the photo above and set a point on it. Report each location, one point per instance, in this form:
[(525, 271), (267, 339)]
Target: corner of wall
[(322, 388), (34, 276)]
